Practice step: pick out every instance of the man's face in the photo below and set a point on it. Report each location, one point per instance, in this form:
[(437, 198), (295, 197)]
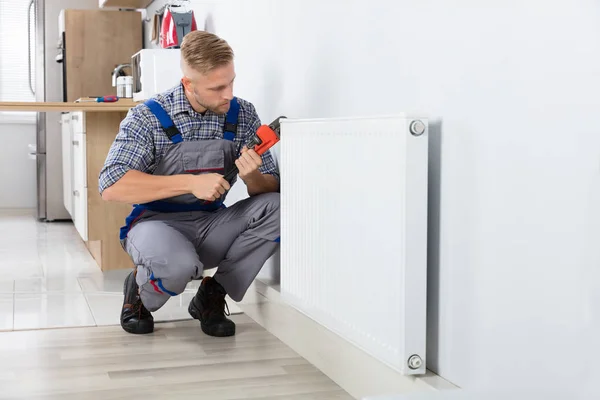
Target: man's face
[(212, 91)]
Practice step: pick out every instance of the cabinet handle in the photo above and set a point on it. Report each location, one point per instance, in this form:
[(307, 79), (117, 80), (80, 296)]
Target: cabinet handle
[(75, 192), (75, 142), (75, 117)]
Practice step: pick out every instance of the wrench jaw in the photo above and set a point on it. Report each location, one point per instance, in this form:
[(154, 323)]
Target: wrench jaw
[(276, 125), (270, 136), (255, 141), (258, 143)]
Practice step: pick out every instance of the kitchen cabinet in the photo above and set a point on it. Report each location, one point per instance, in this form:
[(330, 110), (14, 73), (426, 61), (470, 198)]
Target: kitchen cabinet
[(97, 221), (88, 131)]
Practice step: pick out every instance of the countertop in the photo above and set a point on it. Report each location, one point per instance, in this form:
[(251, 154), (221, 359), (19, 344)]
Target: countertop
[(122, 105)]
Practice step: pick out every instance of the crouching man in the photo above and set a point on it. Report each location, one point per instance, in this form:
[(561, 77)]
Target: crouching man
[(168, 160)]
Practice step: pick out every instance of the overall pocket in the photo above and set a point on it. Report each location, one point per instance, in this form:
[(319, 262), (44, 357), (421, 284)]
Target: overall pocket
[(204, 161)]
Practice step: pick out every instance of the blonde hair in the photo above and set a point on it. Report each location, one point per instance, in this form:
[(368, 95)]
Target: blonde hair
[(204, 51)]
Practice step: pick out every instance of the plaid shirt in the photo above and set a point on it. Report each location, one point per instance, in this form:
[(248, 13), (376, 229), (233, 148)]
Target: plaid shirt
[(141, 142)]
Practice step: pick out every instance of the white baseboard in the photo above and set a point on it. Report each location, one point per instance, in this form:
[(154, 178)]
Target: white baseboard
[(351, 368)]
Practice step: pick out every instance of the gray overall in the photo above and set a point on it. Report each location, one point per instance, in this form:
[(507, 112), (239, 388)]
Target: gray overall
[(174, 240)]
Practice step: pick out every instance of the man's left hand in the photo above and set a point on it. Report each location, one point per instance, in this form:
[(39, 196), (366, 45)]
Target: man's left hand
[(248, 164)]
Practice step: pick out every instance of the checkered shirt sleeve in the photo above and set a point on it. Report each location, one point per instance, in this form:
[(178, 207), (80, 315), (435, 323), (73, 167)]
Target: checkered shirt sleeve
[(133, 148)]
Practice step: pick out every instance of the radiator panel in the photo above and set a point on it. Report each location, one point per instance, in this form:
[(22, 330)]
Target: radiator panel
[(354, 231)]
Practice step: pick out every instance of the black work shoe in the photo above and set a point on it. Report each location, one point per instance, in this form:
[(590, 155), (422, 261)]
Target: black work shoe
[(208, 306), (135, 318)]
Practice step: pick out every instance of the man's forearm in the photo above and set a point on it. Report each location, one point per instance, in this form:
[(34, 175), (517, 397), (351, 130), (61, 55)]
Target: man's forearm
[(137, 187), (261, 183)]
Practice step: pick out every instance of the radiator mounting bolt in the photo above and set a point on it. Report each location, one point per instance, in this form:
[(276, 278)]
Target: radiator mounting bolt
[(415, 362), (417, 128)]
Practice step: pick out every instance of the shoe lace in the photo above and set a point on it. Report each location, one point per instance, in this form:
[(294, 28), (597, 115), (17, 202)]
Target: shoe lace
[(138, 308), (218, 304)]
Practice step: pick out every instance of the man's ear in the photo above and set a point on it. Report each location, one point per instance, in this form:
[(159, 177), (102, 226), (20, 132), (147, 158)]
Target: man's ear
[(187, 84)]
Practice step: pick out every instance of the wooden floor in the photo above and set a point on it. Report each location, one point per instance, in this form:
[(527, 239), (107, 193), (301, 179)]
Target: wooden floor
[(176, 362)]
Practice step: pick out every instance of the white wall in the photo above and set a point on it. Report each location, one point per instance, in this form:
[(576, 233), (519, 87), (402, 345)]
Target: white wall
[(18, 176), (513, 88)]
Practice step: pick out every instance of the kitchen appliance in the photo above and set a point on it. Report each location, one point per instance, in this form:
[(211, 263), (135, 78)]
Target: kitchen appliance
[(154, 71), (125, 87), (43, 20), (178, 20)]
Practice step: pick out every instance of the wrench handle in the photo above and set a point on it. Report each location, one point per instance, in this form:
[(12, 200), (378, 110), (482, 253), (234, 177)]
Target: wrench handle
[(231, 174)]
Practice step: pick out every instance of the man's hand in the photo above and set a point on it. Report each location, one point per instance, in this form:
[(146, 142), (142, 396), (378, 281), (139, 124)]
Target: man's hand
[(208, 186), (248, 165)]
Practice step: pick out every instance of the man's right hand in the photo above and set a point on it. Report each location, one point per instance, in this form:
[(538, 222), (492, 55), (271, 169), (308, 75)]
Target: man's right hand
[(208, 186)]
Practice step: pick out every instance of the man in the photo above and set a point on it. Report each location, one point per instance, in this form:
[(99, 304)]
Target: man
[(169, 159)]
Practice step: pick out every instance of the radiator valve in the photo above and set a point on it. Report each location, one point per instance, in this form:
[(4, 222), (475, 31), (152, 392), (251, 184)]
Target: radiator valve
[(415, 362), (417, 128)]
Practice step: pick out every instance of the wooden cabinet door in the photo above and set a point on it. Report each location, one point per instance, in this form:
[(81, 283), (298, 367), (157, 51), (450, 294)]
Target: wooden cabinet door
[(96, 41)]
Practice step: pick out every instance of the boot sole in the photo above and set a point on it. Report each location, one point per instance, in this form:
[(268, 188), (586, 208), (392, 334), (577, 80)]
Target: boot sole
[(141, 328), (223, 332), (217, 332)]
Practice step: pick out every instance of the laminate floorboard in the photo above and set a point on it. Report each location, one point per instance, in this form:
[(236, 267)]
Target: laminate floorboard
[(177, 361)]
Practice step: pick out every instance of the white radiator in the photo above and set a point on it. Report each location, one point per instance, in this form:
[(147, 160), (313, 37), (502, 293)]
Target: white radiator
[(354, 231)]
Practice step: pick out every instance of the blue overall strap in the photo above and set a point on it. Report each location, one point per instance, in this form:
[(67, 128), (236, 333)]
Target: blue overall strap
[(136, 213), (231, 120), (165, 207), (166, 121)]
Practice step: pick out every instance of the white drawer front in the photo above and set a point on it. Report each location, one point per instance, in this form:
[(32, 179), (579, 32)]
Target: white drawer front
[(80, 217), (79, 161), (78, 121), (67, 162)]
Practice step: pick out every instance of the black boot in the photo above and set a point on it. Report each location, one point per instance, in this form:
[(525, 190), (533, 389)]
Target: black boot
[(208, 306), (135, 318)]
